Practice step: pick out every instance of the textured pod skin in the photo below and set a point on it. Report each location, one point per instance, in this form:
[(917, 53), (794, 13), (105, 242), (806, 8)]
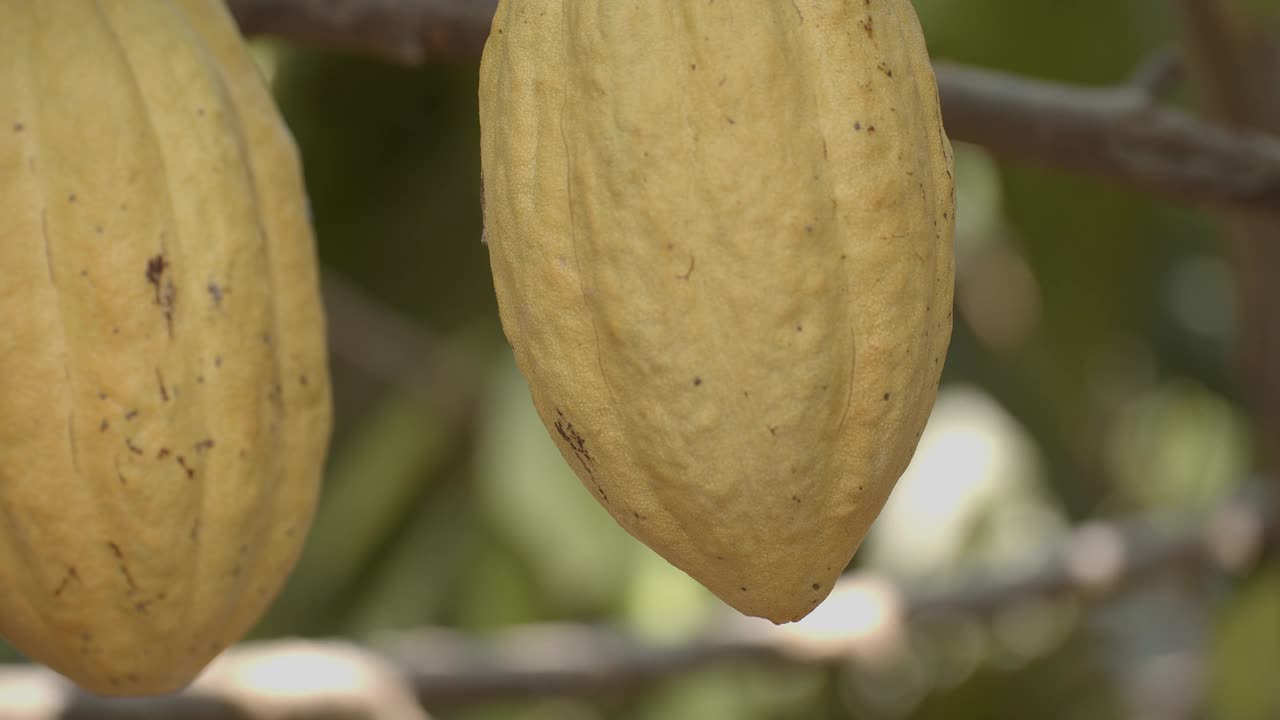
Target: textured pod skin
[(721, 241), (165, 408)]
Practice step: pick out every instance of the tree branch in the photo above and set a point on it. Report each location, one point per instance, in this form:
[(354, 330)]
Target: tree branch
[(406, 32), (1115, 135), (1237, 64), (866, 618)]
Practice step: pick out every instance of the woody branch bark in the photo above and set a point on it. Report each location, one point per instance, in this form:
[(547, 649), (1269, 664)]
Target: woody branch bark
[(1237, 64), (1117, 135), (406, 32), (866, 617)]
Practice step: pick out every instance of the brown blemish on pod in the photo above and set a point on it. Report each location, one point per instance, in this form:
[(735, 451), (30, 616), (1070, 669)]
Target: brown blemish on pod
[(166, 295)]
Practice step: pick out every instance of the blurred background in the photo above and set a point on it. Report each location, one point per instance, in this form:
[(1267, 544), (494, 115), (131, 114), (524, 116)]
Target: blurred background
[(1091, 385)]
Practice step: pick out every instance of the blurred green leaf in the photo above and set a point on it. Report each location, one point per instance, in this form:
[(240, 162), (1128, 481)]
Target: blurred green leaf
[(579, 556), (414, 580), (496, 588), (392, 164), (372, 483), (1245, 656), (706, 695), (1179, 447)]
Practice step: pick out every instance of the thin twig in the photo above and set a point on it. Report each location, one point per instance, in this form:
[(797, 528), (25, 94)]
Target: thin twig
[(1115, 135), (865, 617)]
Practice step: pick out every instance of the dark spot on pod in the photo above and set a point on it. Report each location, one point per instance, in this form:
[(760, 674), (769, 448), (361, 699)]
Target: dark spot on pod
[(886, 396), (816, 586), (697, 381), (155, 271)]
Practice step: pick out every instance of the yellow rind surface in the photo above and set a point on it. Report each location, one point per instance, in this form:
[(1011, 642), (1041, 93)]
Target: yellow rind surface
[(166, 405), (721, 242)]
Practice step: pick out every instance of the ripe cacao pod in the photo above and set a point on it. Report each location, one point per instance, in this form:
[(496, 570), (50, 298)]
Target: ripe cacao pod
[(721, 241), (166, 406)]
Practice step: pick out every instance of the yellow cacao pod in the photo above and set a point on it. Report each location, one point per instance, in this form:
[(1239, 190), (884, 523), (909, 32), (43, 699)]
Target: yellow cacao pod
[(721, 240), (166, 406)]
